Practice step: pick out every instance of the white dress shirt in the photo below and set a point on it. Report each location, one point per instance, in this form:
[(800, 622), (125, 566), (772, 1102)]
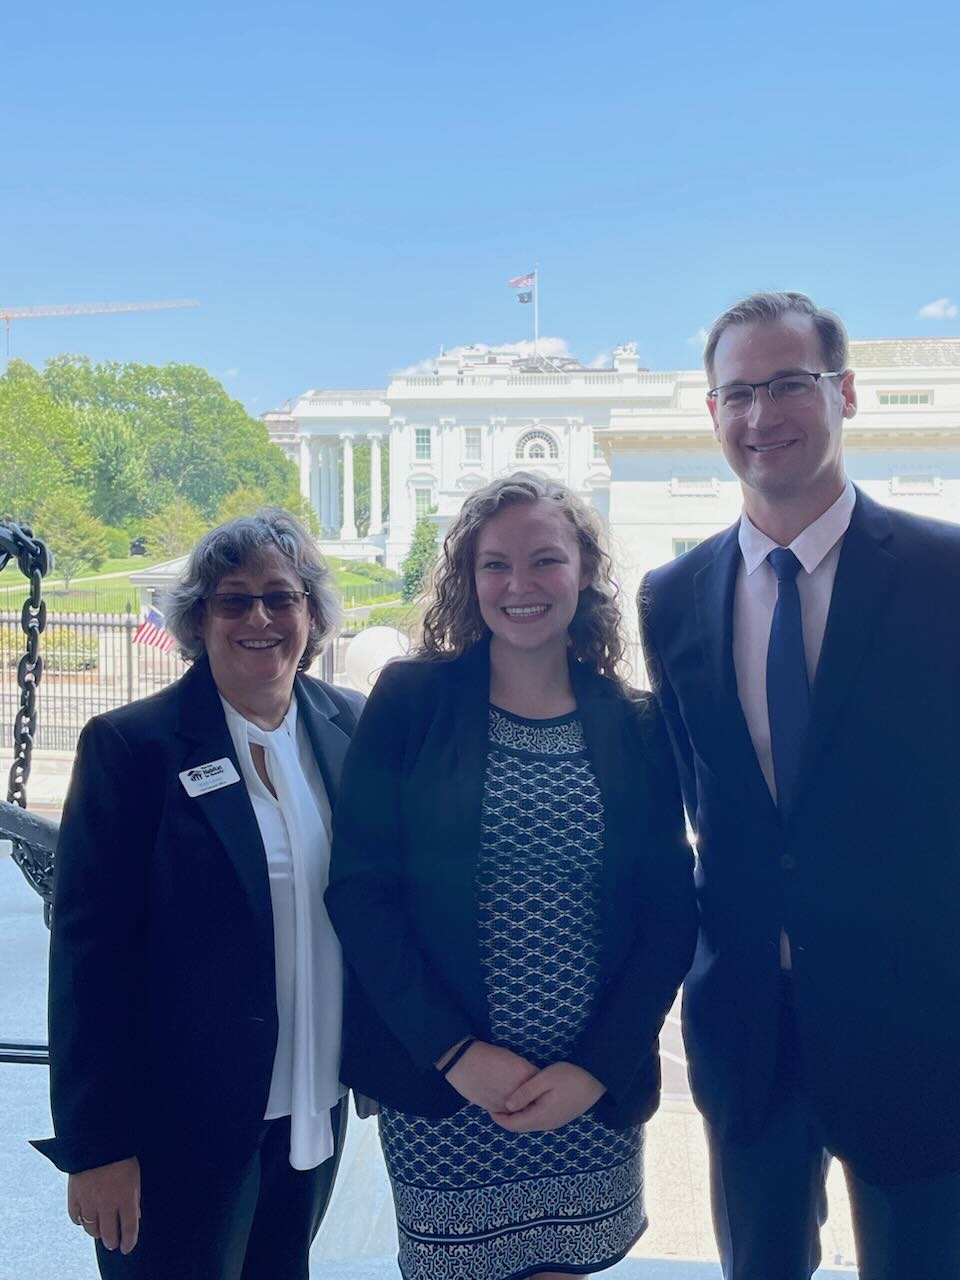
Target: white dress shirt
[(295, 827), (755, 596)]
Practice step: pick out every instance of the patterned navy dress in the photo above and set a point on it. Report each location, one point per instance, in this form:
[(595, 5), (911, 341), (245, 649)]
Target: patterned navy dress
[(474, 1201)]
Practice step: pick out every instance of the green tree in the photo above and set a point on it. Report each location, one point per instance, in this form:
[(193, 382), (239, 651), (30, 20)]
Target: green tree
[(242, 502), (120, 489), (420, 559), (199, 444), (361, 471), (41, 450), (174, 529), (78, 540)]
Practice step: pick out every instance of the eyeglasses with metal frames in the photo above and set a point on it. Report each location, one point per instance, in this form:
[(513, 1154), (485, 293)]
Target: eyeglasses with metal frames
[(735, 399), (237, 604)]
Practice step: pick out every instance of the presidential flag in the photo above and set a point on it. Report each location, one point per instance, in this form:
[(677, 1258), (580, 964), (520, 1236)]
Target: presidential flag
[(523, 282), (152, 631)]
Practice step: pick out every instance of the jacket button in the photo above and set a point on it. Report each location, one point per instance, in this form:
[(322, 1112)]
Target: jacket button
[(787, 862)]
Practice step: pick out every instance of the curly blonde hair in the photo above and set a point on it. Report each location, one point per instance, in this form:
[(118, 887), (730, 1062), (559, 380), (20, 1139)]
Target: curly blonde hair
[(452, 622)]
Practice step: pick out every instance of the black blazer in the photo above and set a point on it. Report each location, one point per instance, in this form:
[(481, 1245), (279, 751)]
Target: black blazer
[(402, 895), (864, 872), (163, 1011)]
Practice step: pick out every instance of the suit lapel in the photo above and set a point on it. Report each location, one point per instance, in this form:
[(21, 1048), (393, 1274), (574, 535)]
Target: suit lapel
[(328, 740), (203, 726), (865, 575), (470, 692), (714, 587), (602, 714), (459, 811)]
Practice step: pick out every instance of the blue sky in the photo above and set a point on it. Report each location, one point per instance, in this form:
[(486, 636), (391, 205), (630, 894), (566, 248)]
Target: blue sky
[(346, 187)]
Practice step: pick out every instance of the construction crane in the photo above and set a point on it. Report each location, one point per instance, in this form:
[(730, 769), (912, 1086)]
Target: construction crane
[(9, 314)]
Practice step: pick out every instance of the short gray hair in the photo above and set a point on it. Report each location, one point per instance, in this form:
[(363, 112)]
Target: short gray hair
[(239, 544), (761, 308)]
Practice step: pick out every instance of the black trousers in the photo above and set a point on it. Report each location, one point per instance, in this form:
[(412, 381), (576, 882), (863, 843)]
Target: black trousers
[(251, 1221), (769, 1197)]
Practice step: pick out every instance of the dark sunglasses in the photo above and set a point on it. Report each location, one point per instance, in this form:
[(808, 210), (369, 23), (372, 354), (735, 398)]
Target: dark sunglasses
[(235, 604)]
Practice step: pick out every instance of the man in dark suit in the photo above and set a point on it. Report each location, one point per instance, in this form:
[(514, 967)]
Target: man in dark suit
[(808, 664)]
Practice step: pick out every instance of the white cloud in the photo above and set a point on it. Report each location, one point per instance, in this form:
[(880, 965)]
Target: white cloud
[(550, 347), (602, 360), (698, 339), (939, 309), (424, 366)]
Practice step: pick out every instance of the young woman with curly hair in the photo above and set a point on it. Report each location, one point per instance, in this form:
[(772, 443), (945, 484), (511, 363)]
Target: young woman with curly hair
[(513, 892)]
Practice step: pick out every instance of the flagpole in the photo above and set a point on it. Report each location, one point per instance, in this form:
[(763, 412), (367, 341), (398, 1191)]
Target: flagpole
[(536, 306)]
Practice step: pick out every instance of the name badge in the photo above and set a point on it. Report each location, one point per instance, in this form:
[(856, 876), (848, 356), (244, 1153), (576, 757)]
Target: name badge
[(209, 777)]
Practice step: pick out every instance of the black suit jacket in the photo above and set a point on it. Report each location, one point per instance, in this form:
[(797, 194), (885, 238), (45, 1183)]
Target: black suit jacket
[(402, 886), (163, 1012), (864, 872)]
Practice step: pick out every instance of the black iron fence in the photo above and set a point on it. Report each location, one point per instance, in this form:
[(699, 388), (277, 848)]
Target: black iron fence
[(90, 665), (113, 596)]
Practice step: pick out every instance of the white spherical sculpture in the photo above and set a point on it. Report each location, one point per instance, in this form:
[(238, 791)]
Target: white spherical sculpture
[(369, 652)]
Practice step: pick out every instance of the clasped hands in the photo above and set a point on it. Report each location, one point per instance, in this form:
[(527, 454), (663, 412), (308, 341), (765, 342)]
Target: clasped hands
[(518, 1096)]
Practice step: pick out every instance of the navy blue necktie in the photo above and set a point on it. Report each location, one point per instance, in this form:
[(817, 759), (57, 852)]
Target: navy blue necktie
[(788, 689)]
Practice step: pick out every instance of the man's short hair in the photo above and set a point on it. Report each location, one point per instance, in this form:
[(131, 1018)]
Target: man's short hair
[(761, 308)]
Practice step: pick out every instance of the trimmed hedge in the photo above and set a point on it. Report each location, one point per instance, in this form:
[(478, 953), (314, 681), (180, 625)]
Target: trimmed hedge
[(404, 617)]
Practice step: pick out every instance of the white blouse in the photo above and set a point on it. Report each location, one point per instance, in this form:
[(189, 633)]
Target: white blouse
[(295, 828)]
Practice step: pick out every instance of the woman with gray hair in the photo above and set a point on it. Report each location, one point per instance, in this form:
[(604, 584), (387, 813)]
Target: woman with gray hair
[(195, 978)]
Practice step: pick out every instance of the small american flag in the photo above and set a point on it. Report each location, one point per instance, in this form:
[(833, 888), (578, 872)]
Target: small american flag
[(522, 282), (152, 631)]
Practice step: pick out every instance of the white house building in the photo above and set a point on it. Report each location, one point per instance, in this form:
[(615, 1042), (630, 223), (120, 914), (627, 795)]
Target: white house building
[(478, 415), (636, 443)]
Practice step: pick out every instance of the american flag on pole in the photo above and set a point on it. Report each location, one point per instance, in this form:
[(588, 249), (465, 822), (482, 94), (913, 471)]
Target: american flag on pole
[(522, 282), (152, 631)]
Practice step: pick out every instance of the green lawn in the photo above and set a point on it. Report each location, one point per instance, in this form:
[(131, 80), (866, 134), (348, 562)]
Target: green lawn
[(108, 597), (129, 564), (102, 594)]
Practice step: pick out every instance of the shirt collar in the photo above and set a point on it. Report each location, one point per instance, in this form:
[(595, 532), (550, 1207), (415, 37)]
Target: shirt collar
[(287, 725), (811, 545)]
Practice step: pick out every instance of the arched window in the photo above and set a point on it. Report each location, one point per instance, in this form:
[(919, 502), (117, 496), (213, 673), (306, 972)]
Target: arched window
[(535, 446)]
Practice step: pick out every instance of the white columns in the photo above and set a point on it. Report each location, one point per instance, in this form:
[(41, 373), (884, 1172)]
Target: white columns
[(315, 491), (400, 464), (376, 496), (349, 527), (330, 486), (305, 467)]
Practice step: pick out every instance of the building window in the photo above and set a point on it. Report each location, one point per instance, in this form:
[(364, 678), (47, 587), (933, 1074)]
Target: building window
[(422, 444), (472, 444), (682, 545), (598, 454), (916, 484), (905, 397), (694, 486), (422, 502), (536, 445)]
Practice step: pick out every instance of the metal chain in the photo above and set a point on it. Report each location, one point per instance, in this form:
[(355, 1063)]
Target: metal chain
[(34, 560)]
